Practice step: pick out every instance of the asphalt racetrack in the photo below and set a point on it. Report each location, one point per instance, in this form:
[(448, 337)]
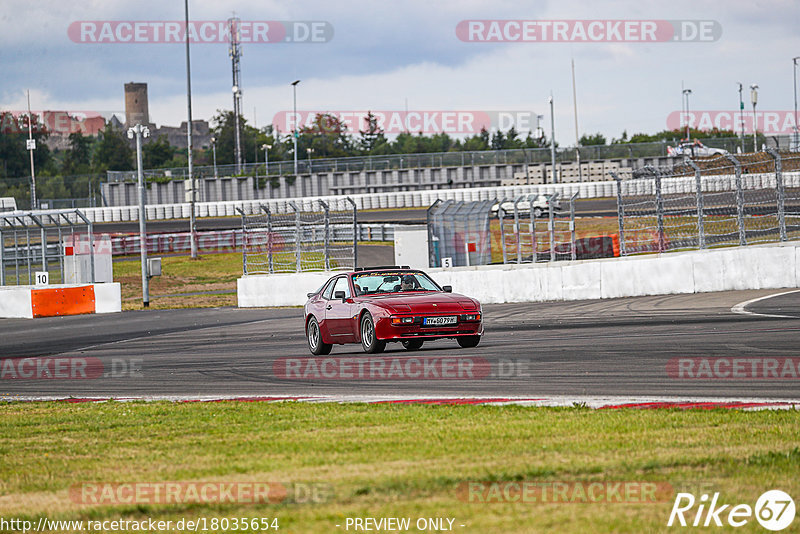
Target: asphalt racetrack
[(644, 346)]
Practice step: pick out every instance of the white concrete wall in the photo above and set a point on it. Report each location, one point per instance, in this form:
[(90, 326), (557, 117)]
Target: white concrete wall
[(15, 302), (751, 267), (107, 298), (281, 289)]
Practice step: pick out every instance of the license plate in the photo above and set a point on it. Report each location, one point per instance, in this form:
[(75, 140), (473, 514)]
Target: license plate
[(440, 320)]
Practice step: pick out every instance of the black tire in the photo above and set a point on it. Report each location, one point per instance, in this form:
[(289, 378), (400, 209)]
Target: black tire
[(537, 212), (412, 344), (314, 338), (467, 342), (371, 344)]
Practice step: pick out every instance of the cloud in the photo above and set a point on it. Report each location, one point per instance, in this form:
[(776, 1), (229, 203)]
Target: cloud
[(383, 54)]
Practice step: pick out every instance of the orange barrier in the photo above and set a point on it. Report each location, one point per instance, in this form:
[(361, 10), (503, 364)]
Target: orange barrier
[(52, 302)]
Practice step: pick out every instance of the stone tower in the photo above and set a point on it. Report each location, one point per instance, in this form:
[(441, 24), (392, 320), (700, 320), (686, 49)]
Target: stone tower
[(136, 111)]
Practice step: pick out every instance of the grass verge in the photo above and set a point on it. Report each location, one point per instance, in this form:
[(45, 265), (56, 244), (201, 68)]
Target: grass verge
[(389, 460)]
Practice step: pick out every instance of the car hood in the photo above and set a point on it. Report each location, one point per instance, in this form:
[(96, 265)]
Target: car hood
[(423, 302)]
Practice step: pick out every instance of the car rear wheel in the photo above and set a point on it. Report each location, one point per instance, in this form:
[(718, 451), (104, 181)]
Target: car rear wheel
[(371, 344), (412, 344), (467, 342), (314, 337)]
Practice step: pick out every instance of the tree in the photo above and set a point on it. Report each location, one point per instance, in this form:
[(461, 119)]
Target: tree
[(589, 140), (157, 153), (113, 153), (14, 157), (478, 141), (327, 137), (78, 159), (251, 139), (372, 136)]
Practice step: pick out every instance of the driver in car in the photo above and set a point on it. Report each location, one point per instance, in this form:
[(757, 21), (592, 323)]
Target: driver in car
[(407, 283)]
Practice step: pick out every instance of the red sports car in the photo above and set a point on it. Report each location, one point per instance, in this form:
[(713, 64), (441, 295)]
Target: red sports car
[(377, 305)]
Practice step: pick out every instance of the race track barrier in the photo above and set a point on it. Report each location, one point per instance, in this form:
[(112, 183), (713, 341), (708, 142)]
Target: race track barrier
[(424, 198), (28, 302), (752, 267)]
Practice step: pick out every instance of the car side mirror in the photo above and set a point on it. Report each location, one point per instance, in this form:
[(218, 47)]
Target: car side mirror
[(447, 289), (309, 295), (339, 295)]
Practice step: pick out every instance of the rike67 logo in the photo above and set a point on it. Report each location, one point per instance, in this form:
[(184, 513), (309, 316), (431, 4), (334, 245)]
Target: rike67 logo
[(774, 510)]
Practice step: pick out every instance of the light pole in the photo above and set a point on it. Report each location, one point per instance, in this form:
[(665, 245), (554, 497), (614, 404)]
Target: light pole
[(214, 153), (309, 151), (686, 93), (741, 113), (31, 146), (754, 100), (266, 157), (294, 118), (237, 98), (192, 181), (796, 127), (138, 132), (553, 140)]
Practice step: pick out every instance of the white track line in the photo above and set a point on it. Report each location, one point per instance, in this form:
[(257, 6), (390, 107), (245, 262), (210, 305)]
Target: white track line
[(740, 308)]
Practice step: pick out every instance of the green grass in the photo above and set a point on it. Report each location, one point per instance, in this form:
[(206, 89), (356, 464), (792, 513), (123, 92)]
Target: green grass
[(390, 460)]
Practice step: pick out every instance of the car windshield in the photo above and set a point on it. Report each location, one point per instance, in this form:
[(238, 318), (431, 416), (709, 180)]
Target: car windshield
[(371, 283)]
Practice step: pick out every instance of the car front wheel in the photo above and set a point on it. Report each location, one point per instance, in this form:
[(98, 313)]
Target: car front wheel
[(314, 337), (369, 341), (467, 342)]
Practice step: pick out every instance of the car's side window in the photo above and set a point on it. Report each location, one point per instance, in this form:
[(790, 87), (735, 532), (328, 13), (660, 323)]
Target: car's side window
[(328, 290), (342, 285)]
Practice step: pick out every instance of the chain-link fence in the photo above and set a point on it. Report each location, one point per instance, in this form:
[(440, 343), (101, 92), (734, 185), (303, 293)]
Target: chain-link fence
[(306, 235), (57, 242), (537, 228), (709, 202), (525, 229)]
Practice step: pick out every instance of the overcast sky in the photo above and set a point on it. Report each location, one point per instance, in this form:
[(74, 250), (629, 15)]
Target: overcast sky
[(389, 55)]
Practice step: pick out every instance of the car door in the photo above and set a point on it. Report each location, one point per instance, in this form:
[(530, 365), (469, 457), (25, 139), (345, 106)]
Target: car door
[(317, 307), (338, 313)]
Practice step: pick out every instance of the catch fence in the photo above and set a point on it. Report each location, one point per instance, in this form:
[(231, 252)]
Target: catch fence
[(51, 242), (310, 235), (526, 229), (710, 202)]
